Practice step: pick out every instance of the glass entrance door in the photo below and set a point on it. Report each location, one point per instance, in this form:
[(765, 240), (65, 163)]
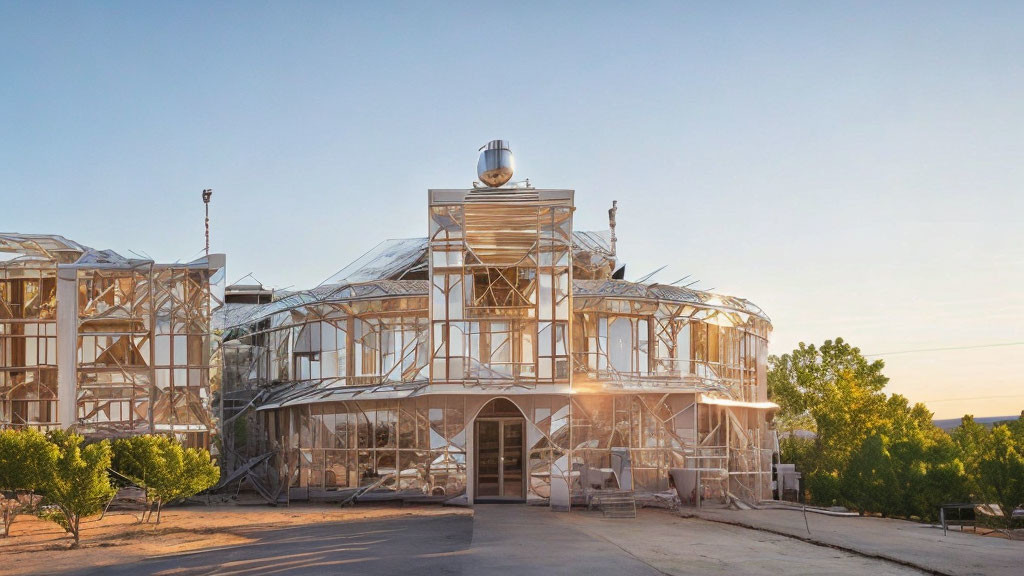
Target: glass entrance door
[(499, 459), (512, 459), (488, 458)]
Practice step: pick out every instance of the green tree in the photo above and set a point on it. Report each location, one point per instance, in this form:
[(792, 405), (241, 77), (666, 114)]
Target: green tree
[(164, 468), (926, 470), (1016, 428), (833, 392), (807, 377), (199, 473), (27, 461), (970, 439), (869, 451), (868, 479), (1001, 468), (944, 477), (79, 485), (141, 460)]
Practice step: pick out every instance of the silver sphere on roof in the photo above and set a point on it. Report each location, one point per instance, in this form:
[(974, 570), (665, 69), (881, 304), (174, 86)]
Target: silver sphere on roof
[(496, 163)]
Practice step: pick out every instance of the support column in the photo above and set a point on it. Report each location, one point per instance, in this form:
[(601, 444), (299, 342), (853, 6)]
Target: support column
[(469, 425), (561, 472), (696, 449), (561, 477), (67, 346)]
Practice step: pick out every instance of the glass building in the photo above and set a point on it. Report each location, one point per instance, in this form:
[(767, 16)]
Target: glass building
[(502, 357), (106, 345)]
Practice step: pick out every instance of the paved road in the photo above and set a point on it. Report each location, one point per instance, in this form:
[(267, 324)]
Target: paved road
[(523, 540), (514, 540), (407, 545), (951, 553)]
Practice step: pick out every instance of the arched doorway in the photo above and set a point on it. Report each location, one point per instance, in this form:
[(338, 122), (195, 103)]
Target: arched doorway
[(499, 440)]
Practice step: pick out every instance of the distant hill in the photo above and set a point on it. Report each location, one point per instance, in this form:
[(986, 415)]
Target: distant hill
[(988, 421)]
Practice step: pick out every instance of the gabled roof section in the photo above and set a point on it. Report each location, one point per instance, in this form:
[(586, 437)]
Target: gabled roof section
[(593, 257), (233, 315), (389, 260), (594, 242), (42, 247), (31, 249), (406, 258)]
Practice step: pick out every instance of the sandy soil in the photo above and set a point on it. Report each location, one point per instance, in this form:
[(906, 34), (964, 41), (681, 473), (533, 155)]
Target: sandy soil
[(39, 547)]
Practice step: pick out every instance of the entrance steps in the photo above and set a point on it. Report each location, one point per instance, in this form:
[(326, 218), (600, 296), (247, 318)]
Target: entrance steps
[(615, 503)]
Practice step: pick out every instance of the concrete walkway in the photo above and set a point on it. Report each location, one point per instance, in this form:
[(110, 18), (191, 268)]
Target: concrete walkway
[(898, 540), (520, 540), (523, 540)]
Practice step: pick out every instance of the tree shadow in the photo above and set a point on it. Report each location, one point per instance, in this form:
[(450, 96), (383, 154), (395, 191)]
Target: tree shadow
[(431, 545)]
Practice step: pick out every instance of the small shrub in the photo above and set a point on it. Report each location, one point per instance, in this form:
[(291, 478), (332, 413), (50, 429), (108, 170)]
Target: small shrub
[(80, 485), (27, 461), (166, 470)]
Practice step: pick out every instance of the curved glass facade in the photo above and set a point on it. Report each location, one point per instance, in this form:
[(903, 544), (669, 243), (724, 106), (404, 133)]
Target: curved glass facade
[(472, 363)]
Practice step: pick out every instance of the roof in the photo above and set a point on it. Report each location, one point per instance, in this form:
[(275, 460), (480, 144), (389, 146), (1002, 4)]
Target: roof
[(334, 390), (232, 315), (599, 242), (340, 389), (54, 249), (389, 260), (395, 259), (664, 293)]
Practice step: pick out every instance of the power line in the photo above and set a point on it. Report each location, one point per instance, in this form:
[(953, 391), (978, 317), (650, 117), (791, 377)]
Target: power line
[(973, 347), (975, 398)]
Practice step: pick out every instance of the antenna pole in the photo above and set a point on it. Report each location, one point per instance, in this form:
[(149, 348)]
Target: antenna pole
[(611, 222), (207, 194)]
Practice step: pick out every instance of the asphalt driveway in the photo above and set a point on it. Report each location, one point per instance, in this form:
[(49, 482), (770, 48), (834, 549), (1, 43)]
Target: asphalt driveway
[(512, 540)]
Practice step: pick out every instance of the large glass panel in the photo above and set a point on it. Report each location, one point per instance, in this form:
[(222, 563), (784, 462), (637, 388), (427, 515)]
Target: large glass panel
[(455, 416), (437, 432), (512, 458), (488, 457), (386, 429), (620, 344), (336, 474), (683, 348)]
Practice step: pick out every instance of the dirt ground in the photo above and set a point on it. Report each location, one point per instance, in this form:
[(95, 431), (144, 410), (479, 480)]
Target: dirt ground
[(119, 538)]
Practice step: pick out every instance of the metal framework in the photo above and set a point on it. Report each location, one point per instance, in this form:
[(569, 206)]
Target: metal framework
[(104, 344), (369, 384)]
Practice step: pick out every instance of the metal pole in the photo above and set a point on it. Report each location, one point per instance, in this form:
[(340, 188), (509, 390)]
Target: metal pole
[(696, 450), (728, 446), (207, 194), (757, 455), (611, 223)]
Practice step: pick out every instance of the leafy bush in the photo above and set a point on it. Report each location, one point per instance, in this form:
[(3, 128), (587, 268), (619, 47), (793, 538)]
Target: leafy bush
[(164, 468), (824, 488), (27, 461), (996, 462), (79, 485)]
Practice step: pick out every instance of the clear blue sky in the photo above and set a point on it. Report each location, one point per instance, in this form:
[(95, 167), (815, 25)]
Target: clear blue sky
[(857, 170)]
